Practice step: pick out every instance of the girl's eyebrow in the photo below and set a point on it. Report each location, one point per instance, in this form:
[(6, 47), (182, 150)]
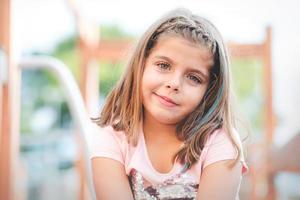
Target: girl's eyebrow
[(205, 76), (164, 58)]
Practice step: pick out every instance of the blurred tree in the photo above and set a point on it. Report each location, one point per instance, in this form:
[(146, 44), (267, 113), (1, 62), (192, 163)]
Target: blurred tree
[(67, 52), (247, 84), (41, 89), (110, 32)]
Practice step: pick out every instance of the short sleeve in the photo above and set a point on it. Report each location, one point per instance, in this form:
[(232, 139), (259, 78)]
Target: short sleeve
[(107, 143), (219, 147)]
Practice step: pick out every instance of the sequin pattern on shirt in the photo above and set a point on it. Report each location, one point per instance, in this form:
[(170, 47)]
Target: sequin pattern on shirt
[(179, 186)]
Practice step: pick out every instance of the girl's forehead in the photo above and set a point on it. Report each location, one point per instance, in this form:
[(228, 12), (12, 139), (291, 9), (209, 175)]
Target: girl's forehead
[(180, 49)]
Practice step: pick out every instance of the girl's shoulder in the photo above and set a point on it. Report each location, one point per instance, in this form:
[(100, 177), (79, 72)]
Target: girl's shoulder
[(221, 136), (219, 146), (109, 133), (106, 140)]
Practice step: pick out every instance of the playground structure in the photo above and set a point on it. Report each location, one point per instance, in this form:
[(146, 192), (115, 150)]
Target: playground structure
[(91, 49)]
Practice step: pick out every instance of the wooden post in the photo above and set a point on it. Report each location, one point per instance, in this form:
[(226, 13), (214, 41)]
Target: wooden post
[(269, 115), (5, 123), (88, 79), (9, 109), (89, 85), (263, 185)]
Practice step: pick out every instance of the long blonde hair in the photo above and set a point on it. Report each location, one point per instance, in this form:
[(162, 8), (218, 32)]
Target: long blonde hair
[(123, 109)]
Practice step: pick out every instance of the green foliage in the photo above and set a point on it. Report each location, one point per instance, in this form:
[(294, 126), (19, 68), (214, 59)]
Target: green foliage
[(66, 45), (71, 58), (109, 75), (247, 84), (67, 52), (39, 89), (109, 32), (247, 76)]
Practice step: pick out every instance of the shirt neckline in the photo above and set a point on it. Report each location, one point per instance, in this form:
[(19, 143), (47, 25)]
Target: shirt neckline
[(145, 151)]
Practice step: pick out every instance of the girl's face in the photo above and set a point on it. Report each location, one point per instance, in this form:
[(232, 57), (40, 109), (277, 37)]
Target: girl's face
[(175, 79)]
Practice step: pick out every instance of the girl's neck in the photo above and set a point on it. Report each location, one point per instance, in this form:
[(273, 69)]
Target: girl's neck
[(158, 132)]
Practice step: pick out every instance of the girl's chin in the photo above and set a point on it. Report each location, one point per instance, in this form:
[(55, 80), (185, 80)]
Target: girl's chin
[(167, 120)]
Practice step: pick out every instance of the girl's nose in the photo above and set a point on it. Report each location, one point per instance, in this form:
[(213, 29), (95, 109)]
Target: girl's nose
[(174, 83), (172, 88)]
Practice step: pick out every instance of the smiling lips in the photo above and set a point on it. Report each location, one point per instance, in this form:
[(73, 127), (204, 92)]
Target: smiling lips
[(166, 101)]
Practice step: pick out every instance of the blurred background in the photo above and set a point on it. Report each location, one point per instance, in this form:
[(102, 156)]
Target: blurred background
[(41, 144)]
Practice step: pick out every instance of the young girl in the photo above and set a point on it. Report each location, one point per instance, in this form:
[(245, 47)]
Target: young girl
[(168, 129)]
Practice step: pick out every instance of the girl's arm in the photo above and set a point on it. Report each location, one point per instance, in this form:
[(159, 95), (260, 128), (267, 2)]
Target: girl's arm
[(110, 180), (219, 182)]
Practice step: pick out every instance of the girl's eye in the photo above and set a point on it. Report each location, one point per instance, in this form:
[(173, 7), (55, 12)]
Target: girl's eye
[(163, 66), (194, 78)]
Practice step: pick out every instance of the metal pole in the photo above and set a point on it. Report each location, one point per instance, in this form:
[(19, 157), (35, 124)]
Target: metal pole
[(75, 102)]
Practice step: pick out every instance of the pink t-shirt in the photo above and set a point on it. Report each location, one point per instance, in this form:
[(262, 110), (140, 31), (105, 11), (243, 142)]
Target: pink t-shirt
[(148, 183)]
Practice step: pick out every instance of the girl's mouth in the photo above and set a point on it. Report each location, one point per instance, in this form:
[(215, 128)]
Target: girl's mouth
[(166, 101)]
